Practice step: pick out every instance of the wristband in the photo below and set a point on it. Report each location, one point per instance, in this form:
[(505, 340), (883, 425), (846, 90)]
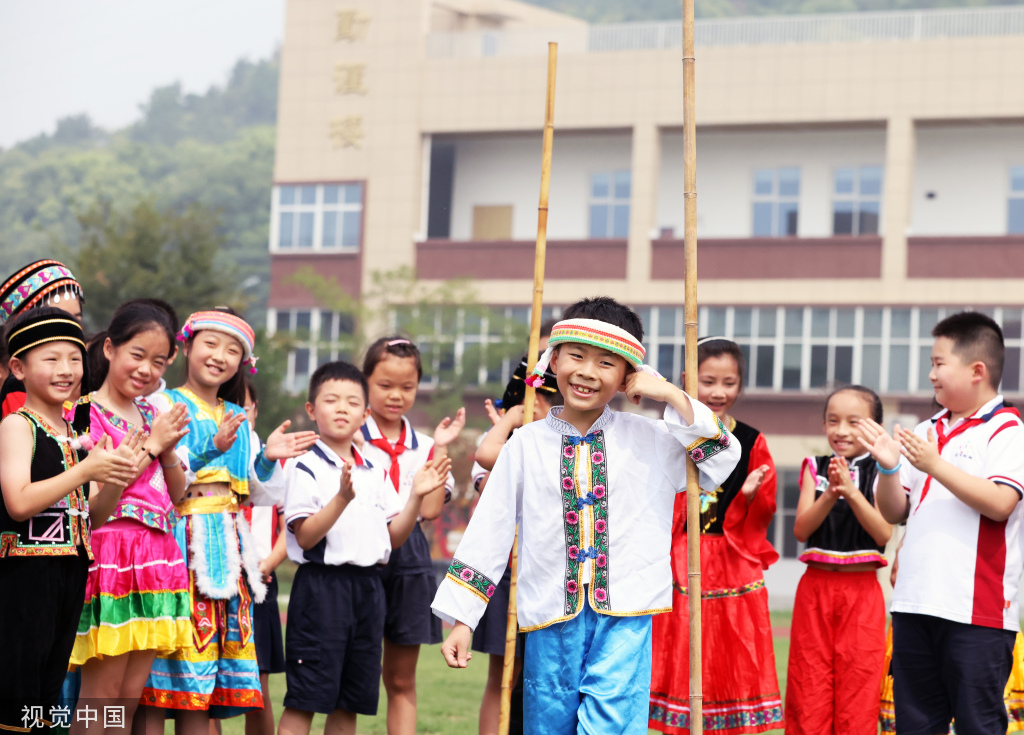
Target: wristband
[(893, 471), (152, 457)]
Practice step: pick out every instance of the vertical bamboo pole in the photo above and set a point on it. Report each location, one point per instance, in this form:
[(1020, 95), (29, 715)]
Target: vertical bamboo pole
[(690, 256), (512, 626)]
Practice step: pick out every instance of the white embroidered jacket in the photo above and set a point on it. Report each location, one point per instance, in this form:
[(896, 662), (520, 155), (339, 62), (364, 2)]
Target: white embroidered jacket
[(592, 510)]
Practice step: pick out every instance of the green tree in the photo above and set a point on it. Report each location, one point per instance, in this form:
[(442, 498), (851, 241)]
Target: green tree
[(171, 254)]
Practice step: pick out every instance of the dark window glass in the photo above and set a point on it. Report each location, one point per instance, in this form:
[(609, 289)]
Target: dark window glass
[(842, 218), (844, 364), (765, 366), (819, 365), (791, 367), (284, 318), (1011, 370), (868, 219)]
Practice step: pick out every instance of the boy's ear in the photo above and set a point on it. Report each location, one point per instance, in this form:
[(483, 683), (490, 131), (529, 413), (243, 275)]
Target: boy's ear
[(553, 365), (17, 368), (309, 412), (366, 414), (173, 355), (979, 371)]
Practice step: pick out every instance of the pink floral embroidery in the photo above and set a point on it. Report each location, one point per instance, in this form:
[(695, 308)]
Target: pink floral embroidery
[(598, 491), (466, 574), (601, 561), (490, 590), (600, 595), (571, 587), (567, 483), (697, 454), (598, 458), (574, 552), (571, 517), (569, 452), (600, 526)]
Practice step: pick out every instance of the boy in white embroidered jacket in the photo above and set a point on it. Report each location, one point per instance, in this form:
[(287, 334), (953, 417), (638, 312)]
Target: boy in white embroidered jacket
[(592, 491)]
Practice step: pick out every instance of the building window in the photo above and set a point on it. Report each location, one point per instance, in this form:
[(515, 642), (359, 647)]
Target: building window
[(856, 200), (320, 337), (609, 204), (1015, 218), (776, 201), (317, 217), (815, 348)]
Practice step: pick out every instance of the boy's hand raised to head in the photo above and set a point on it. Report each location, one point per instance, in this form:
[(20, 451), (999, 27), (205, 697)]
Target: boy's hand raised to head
[(884, 448), (455, 649), (638, 384), (285, 446), (227, 432), (449, 429), (431, 476)]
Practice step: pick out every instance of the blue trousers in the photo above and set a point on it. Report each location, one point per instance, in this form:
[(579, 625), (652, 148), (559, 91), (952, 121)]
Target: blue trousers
[(591, 674)]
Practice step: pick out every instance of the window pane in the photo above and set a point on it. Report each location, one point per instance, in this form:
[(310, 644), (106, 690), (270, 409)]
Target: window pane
[(845, 322), (771, 532), (924, 366), (350, 225), (598, 220), (346, 324), (899, 368), (354, 194), (870, 181), (716, 322), (745, 352), (899, 327), (819, 365), (622, 181), (666, 355), (306, 230), (302, 323), (301, 365), (326, 325), (1017, 178), (286, 195), (766, 323), (844, 180), (331, 194), (872, 322), (599, 186), (644, 313), (789, 182), (867, 223), (283, 321), (308, 194), (1015, 219), (787, 218), (329, 237), (1011, 370), (794, 322), (447, 356), (791, 367), (764, 182), (763, 219), (789, 542), (741, 322), (1011, 323), (819, 322), (666, 321), (842, 218), (927, 319), (765, 366), (843, 367), (286, 234), (620, 220), (871, 366)]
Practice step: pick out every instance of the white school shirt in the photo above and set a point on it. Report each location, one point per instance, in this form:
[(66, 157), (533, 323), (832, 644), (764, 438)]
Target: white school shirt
[(263, 517), (360, 535), (419, 449), (606, 499), (956, 564)]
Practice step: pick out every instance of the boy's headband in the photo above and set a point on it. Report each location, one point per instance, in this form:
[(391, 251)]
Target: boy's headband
[(36, 332), (220, 321), (44, 281), (597, 334)]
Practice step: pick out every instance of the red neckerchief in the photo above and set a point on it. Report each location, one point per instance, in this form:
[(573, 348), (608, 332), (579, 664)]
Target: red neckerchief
[(945, 438), (393, 450)]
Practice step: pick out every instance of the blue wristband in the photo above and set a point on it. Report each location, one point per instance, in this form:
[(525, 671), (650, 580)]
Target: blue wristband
[(893, 471)]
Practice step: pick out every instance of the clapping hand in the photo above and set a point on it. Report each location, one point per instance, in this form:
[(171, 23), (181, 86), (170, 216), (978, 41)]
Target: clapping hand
[(169, 427), (346, 490), (753, 482), (449, 429), (227, 432), (107, 465), (839, 477), (884, 448), (492, 412), (431, 476), (922, 453), (281, 445)]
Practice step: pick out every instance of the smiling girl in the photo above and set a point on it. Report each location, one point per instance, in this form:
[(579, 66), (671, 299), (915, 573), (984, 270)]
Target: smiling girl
[(740, 691), (216, 675)]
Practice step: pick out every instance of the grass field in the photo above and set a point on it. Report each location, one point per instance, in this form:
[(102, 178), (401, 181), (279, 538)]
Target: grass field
[(449, 700)]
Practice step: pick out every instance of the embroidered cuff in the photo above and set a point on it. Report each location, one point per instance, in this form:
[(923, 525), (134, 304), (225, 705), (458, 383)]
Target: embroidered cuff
[(705, 448), (209, 452), (264, 467), (471, 579)]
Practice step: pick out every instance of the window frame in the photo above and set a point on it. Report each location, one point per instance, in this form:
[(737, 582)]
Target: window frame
[(857, 199), (775, 199), (610, 202), (1014, 195), (319, 209)]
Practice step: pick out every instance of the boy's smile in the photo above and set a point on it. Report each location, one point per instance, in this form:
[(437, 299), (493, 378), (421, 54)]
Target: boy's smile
[(588, 378)]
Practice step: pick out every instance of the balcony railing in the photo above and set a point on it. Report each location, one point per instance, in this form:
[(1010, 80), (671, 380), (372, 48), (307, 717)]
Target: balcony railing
[(777, 30)]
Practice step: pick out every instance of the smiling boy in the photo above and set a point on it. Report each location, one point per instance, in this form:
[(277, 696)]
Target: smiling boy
[(592, 490), (958, 487)]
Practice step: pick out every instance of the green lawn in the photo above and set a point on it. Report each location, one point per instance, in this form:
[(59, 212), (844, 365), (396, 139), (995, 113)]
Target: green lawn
[(449, 700)]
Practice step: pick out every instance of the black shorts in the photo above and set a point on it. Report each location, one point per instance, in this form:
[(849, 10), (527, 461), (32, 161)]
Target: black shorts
[(334, 634), (944, 670), (409, 587), (43, 600), (266, 624), (489, 636)]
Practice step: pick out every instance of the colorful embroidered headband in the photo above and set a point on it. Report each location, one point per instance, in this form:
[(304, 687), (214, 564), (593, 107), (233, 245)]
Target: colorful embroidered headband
[(48, 328), (45, 282), (220, 321), (596, 333)]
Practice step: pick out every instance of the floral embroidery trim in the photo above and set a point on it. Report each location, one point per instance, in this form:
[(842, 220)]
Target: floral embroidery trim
[(575, 499), (718, 594), (768, 711), (706, 448), (570, 524), (473, 580), (601, 599), (123, 424)]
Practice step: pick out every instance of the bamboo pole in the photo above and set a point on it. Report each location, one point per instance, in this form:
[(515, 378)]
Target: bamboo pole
[(690, 309), (512, 626)]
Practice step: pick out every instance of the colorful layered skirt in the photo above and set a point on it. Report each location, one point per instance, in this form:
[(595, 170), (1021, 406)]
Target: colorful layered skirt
[(741, 688), (136, 596)]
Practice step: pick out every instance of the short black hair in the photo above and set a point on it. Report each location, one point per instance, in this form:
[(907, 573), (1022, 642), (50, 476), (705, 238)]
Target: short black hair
[(707, 349), (866, 393), (547, 325), (395, 345), (337, 370), (607, 309), (975, 338)]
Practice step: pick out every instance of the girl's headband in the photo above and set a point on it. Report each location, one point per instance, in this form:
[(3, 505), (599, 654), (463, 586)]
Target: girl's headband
[(36, 332), (42, 282), (220, 321), (597, 334)]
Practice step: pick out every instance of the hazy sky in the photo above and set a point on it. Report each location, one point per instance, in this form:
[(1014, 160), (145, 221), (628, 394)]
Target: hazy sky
[(103, 57)]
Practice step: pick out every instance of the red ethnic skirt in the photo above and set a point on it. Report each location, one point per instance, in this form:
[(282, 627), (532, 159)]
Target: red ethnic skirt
[(741, 687)]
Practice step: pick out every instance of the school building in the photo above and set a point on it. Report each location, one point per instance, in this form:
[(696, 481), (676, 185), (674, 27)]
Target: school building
[(859, 177)]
